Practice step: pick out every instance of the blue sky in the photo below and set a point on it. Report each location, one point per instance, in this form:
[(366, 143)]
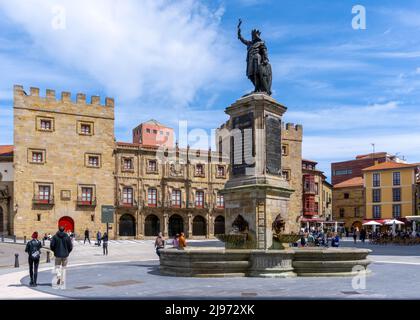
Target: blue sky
[(181, 60)]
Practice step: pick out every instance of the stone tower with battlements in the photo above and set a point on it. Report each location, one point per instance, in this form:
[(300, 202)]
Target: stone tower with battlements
[(63, 160)]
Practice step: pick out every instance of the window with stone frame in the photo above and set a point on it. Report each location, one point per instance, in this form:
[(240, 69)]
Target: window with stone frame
[(176, 198), (86, 195), (127, 195), (199, 199), (85, 128), (286, 174), (93, 161), (127, 164), (46, 124), (284, 150), (199, 170), (37, 157), (342, 212), (152, 197), (221, 171), (44, 193), (152, 166), (220, 201)]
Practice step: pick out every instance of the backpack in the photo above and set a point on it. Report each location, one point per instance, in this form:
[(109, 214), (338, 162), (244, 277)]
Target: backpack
[(35, 253)]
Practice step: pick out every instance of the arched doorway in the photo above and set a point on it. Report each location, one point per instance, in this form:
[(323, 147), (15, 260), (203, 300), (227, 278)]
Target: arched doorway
[(199, 226), (151, 226), (127, 226), (67, 223), (219, 225), (176, 225), (357, 224), (1, 219)]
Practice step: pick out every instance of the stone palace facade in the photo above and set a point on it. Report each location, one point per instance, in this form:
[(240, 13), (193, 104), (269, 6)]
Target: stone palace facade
[(67, 165)]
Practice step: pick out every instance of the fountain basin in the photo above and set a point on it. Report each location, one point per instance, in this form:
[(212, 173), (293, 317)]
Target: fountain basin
[(220, 262)]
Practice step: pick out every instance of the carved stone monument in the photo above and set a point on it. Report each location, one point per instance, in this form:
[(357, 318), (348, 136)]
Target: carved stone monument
[(256, 189)]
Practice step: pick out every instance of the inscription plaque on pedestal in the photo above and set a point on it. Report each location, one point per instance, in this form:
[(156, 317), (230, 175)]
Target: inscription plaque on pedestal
[(242, 144), (273, 144)]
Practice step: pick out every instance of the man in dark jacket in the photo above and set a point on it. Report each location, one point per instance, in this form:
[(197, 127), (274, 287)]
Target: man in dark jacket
[(86, 236), (61, 245), (33, 248)]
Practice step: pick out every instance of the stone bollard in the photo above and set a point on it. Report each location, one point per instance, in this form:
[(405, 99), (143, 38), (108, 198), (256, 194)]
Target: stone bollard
[(14, 239), (2, 238), (16, 260), (24, 239), (48, 257)]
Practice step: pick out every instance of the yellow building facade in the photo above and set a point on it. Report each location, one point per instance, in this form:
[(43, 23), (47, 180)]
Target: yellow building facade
[(390, 190)]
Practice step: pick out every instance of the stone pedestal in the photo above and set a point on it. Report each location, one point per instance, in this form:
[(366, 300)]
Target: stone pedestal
[(256, 189)]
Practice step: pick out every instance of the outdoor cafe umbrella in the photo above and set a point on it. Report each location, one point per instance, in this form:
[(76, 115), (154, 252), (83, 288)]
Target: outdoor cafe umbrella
[(373, 224), (393, 222)]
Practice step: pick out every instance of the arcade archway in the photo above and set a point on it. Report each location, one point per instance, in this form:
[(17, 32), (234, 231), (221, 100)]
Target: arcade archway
[(199, 226), (127, 226), (176, 225), (151, 226), (219, 225)]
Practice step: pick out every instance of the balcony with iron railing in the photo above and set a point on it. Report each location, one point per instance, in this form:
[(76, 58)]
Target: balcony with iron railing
[(128, 204), (175, 204), (43, 199), (86, 202)]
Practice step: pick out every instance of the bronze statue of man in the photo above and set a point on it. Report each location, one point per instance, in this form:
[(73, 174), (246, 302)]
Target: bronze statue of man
[(258, 68)]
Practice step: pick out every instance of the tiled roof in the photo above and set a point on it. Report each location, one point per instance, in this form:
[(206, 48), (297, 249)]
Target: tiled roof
[(155, 122), (311, 161), (389, 165), (353, 182), (6, 150)]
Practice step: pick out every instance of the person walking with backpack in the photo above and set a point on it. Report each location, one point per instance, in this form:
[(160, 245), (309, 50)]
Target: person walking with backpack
[(105, 243), (61, 245), (33, 248), (86, 236)]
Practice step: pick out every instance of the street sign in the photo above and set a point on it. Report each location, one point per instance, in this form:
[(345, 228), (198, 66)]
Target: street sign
[(107, 214)]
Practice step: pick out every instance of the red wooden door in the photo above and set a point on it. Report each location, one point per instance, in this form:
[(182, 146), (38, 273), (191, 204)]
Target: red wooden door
[(67, 223)]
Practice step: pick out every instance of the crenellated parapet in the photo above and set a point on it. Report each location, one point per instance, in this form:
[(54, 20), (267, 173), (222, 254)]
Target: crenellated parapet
[(292, 131), (66, 97)]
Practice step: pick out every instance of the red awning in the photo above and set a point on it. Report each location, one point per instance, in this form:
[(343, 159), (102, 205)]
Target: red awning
[(312, 220)]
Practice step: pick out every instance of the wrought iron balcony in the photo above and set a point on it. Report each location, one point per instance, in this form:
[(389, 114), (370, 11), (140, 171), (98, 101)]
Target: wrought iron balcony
[(83, 202), (127, 204), (43, 200)]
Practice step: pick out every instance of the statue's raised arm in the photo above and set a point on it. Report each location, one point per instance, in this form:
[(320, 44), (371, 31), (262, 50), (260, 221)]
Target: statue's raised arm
[(244, 41)]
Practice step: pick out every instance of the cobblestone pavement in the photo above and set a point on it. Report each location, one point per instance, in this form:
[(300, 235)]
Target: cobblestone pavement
[(142, 280), (7, 255), (131, 271)]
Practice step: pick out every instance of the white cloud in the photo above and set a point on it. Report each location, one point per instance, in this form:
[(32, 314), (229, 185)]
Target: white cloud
[(353, 117), (152, 48)]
